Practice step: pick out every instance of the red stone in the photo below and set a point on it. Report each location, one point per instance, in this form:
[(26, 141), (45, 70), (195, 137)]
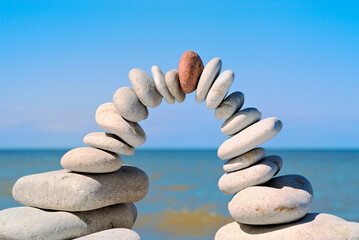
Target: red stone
[(190, 68)]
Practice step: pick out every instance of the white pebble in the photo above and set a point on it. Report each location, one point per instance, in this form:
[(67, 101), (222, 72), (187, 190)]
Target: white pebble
[(160, 82), (172, 82), (229, 106), (240, 120), (209, 74), (145, 88), (249, 138), (110, 120), (219, 89)]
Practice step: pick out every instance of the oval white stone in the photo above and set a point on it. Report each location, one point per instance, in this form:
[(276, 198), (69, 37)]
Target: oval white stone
[(128, 105), (69, 191), (240, 120), (109, 142), (233, 182), (91, 160), (313, 226), (249, 138), (160, 82), (229, 106), (219, 89), (172, 82), (33, 223), (281, 200), (113, 234), (110, 120), (209, 74), (244, 160), (145, 88)]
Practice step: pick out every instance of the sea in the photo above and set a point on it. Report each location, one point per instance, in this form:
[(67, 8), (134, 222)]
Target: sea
[(184, 201)]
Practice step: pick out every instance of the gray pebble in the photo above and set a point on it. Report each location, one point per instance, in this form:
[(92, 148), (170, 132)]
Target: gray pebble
[(240, 120), (69, 191), (172, 82), (128, 105), (229, 106), (281, 200), (233, 182), (110, 120), (145, 88), (219, 89), (91, 160), (160, 82), (109, 142), (32, 223), (244, 160), (113, 234), (250, 138), (208, 76)]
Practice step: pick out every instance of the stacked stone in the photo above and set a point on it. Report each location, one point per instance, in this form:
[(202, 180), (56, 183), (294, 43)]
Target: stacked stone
[(263, 207), (94, 192), (92, 198)]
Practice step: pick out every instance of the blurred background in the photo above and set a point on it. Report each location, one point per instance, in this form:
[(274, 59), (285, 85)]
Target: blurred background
[(296, 60)]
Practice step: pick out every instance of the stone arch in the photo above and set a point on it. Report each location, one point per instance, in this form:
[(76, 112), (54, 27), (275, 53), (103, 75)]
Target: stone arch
[(96, 192)]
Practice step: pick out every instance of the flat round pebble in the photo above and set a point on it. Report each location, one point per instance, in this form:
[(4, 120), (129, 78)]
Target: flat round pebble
[(240, 120), (33, 223), (128, 105), (250, 138), (160, 82), (69, 191), (110, 120), (244, 160), (190, 68), (233, 182), (91, 160), (109, 142), (229, 106), (281, 200), (313, 226), (173, 84), (113, 234), (209, 74), (219, 89), (145, 88)]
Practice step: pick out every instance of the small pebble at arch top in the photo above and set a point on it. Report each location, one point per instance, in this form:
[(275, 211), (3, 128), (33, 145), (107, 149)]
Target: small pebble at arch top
[(208, 76), (160, 82), (172, 82), (219, 89), (229, 106), (145, 88), (128, 105), (249, 138), (190, 68)]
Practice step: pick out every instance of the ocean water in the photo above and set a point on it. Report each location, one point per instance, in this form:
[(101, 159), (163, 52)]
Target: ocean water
[(184, 201)]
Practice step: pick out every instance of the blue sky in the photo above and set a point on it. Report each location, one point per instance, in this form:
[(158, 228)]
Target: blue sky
[(296, 60)]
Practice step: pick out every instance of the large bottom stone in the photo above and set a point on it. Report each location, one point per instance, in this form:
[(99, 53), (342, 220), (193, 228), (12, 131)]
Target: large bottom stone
[(281, 200), (113, 234), (33, 223), (314, 226), (67, 191)]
